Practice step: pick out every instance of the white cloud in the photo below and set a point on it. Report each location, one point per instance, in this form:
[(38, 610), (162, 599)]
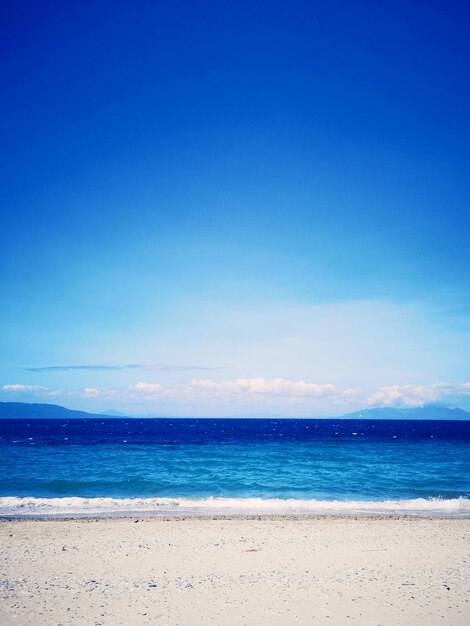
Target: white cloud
[(24, 388), (266, 387), (28, 389), (242, 389), (38, 391), (147, 391), (91, 392), (418, 395), (147, 387), (296, 397)]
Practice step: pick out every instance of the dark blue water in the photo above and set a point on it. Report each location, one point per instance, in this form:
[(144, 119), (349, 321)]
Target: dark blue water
[(371, 460)]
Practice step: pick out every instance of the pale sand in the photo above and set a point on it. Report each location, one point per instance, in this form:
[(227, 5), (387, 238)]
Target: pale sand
[(237, 571)]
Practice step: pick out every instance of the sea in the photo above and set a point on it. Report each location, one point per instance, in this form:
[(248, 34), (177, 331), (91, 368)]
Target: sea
[(121, 466)]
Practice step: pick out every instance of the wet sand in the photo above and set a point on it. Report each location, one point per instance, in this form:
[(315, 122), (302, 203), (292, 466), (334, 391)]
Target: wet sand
[(235, 571)]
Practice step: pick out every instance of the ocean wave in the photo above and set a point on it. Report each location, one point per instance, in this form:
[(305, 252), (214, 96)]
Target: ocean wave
[(76, 507)]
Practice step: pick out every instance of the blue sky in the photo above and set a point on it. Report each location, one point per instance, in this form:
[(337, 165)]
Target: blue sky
[(262, 208)]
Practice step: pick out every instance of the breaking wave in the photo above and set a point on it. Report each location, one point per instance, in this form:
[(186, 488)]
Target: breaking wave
[(103, 507)]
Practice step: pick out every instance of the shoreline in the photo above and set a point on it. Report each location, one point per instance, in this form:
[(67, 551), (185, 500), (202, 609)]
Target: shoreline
[(74, 507), (183, 516)]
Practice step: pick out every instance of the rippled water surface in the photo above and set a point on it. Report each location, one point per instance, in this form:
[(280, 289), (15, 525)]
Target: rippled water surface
[(199, 458)]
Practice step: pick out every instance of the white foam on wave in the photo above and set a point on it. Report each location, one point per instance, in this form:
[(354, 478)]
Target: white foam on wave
[(65, 507)]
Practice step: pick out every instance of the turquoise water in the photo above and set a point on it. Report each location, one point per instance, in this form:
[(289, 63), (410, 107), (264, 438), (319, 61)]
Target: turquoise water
[(323, 460)]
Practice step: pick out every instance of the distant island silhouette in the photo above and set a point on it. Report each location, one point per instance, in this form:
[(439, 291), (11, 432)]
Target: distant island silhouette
[(26, 410)]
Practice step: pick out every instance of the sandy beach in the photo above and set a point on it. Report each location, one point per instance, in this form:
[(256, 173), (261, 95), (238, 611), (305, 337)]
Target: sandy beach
[(235, 571)]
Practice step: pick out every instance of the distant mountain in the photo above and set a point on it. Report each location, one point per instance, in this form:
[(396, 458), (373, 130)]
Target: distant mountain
[(24, 410), (113, 413), (427, 412)]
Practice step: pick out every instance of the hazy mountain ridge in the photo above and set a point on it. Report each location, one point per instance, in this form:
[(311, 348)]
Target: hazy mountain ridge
[(25, 410), (429, 412)]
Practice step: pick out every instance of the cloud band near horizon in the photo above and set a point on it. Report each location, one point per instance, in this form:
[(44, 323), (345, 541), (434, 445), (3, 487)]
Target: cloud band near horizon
[(261, 392)]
